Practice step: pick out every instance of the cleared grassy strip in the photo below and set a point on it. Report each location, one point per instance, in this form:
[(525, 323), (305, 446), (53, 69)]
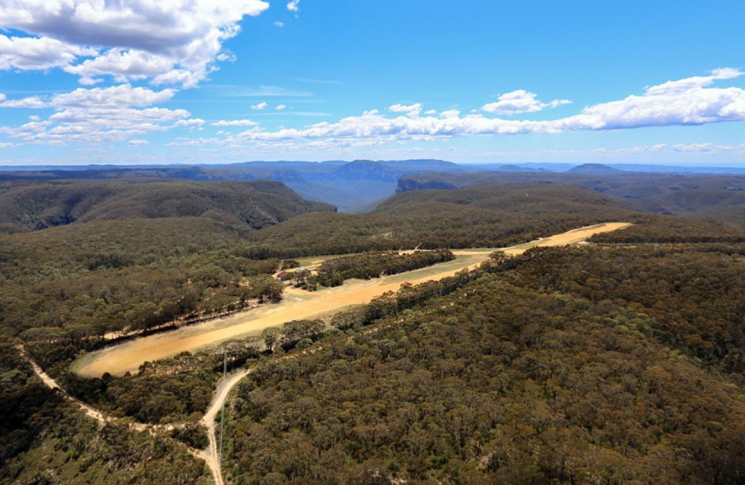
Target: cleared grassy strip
[(297, 305)]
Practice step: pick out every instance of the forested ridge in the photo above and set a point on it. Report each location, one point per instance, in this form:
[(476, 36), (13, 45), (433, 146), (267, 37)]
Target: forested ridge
[(45, 440), (492, 215), (619, 362), (698, 196), (42, 204), (497, 382)]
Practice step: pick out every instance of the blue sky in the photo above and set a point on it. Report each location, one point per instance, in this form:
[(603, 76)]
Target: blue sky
[(215, 81)]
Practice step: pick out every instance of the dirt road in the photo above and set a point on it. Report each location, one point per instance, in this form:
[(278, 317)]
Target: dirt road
[(298, 304)]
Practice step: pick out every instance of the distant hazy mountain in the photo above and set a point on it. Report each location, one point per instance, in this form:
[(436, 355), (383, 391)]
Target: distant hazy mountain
[(346, 185), (594, 168), (516, 168), (353, 186)]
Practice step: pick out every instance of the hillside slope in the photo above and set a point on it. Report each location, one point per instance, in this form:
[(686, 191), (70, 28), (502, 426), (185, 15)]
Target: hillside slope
[(346, 185), (257, 204), (719, 197), (492, 215), (506, 381)]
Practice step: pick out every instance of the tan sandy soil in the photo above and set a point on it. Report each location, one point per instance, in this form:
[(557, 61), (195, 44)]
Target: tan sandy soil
[(298, 304)]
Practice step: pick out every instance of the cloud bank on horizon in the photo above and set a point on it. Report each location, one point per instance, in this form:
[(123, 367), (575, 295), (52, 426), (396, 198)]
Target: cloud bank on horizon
[(143, 54)]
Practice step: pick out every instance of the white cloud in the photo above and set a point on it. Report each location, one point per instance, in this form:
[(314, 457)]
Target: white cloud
[(37, 53), (412, 110), (33, 102), (260, 106), (638, 150), (122, 95), (168, 42), (453, 113), (189, 123), (696, 104), (234, 123), (701, 148), (684, 102), (293, 6), (138, 142), (430, 112), (281, 107), (279, 24), (520, 101), (100, 114), (696, 82), (112, 97)]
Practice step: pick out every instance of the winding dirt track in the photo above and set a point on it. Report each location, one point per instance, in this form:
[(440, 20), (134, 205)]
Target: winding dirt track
[(298, 304), (209, 456), (310, 305)]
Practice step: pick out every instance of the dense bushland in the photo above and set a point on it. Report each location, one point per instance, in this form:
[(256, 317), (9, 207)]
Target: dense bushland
[(485, 216), (45, 440), (255, 204), (603, 364), (334, 271), (694, 295), (493, 383)]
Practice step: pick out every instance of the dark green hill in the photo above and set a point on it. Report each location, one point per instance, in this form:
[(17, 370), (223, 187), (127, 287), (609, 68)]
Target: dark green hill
[(718, 197), (257, 204), (492, 215)]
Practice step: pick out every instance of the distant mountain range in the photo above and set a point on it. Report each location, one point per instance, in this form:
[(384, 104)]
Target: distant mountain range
[(350, 186)]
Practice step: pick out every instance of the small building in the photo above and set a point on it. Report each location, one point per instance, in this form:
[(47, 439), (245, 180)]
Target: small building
[(284, 275), (302, 272)]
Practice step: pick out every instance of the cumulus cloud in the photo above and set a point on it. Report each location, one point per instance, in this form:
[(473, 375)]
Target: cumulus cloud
[(294, 6), (412, 110), (122, 95), (138, 142), (33, 102), (38, 53), (111, 97), (520, 101), (98, 115), (676, 103), (638, 150), (260, 106), (234, 123), (167, 42), (702, 148), (191, 123), (279, 24), (281, 107)]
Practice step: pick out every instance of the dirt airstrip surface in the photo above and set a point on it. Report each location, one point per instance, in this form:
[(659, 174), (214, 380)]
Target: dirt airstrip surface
[(297, 305)]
